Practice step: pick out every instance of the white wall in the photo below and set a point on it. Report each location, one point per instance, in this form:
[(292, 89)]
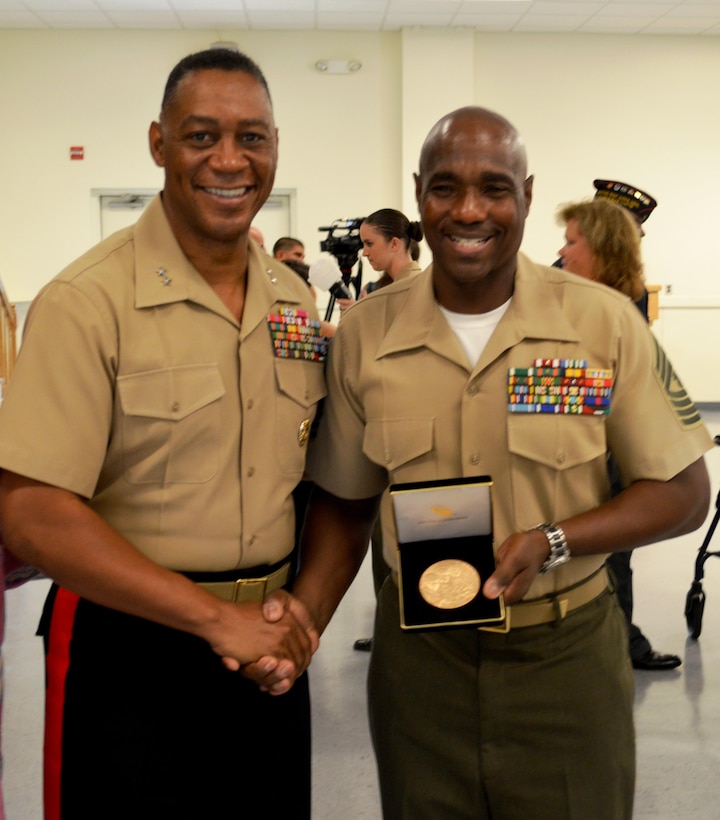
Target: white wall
[(639, 108), (339, 135)]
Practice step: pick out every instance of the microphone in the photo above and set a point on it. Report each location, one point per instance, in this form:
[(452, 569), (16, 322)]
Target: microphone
[(325, 274)]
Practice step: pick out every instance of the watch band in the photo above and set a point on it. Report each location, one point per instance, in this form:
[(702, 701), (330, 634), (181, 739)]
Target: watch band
[(559, 550)]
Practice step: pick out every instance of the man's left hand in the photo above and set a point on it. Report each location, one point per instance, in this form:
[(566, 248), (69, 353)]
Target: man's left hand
[(270, 674)]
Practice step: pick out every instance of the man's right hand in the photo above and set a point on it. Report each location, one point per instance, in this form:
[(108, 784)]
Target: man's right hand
[(271, 675), (243, 635)]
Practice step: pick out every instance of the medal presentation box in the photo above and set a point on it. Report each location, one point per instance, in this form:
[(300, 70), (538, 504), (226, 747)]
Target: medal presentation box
[(445, 547)]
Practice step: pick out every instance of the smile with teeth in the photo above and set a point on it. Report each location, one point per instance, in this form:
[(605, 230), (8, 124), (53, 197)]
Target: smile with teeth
[(470, 242), (227, 193)]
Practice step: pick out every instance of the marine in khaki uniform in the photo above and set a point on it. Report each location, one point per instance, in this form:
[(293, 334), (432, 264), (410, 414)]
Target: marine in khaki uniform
[(535, 721), (155, 429)]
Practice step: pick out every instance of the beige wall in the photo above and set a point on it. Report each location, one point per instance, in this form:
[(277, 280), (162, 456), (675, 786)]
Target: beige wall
[(636, 108)]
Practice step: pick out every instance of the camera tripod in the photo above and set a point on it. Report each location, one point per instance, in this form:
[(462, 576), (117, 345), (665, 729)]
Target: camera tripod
[(348, 279)]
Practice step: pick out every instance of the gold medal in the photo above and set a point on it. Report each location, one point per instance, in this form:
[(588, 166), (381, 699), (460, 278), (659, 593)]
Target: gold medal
[(450, 583)]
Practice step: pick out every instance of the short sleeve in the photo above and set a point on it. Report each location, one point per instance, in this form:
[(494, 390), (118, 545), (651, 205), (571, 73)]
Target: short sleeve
[(56, 416)]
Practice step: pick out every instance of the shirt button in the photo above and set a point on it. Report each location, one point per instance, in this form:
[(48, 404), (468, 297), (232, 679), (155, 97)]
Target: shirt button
[(175, 406), (562, 458), (474, 458), (388, 457), (251, 404), (252, 540), (472, 390), (251, 472)]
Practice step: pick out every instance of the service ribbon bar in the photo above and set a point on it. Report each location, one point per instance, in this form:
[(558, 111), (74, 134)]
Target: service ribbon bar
[(296, 336), (561, 386)]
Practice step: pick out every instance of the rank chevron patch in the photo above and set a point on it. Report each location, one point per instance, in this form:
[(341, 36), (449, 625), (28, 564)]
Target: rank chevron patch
[(677, 396)]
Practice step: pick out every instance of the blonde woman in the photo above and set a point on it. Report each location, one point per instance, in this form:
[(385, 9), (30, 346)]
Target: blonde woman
[(602, 242)]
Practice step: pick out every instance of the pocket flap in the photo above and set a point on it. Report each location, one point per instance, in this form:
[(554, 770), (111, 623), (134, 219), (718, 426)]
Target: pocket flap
[(394, 442), (557, 441), (173, 393), (302, 381)]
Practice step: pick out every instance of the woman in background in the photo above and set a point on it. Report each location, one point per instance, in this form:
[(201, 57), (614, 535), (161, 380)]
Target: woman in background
[(390, 244), (602, 242)]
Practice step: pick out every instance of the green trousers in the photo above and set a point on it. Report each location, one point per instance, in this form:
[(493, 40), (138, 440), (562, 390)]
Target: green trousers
[(533, 724)]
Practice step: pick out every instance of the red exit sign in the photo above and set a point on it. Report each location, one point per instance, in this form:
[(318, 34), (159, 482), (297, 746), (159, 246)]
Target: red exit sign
[(77, 152)]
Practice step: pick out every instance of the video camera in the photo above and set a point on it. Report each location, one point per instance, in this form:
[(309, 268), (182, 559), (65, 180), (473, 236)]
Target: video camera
[(344, 248)]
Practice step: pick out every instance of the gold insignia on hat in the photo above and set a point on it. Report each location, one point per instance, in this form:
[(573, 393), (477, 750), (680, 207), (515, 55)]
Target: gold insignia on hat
[(304, 432), (640, 204)]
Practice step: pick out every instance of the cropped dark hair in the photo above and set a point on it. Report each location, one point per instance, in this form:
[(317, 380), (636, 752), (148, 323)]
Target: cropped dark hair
[(391, 223), (286, 243), (223, 59)]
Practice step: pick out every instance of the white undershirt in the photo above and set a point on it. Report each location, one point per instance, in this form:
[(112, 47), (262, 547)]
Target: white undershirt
[(474, 329)]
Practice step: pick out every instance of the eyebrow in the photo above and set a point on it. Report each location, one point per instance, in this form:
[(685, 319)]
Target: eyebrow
[(486, 176), (199, 119)]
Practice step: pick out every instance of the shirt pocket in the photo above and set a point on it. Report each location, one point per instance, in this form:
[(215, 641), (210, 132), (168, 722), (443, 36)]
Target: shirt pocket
[(300, 387), (404, 447), (171, 424), (558, 465)]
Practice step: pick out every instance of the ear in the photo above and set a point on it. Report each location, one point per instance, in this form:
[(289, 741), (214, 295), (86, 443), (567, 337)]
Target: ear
[(157, 144), (528, 190), (418, 187)]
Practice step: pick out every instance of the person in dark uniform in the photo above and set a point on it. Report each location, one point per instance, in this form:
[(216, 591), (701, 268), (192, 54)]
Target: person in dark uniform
[(149, 457), (640, 205)]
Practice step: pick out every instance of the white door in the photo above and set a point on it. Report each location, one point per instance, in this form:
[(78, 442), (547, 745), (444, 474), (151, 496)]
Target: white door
[(119, 208)]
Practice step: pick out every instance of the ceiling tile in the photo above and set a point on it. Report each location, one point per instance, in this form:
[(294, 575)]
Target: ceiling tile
[(608, 24), (213, 19), (550, 22), (626, 16), (281, 20), (352, 20), (20, 19), (145, 19), (75, 19)]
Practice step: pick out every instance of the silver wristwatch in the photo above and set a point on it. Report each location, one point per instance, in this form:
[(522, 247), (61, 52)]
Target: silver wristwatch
[(559, 550)]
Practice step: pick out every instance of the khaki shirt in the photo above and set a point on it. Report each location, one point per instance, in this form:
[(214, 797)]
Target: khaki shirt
[(404, 405), (137, 389), (410, 269)]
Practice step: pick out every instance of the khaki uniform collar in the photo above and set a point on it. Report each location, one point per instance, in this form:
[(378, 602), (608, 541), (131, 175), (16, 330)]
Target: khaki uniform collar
[(534, 312), (164, 275)]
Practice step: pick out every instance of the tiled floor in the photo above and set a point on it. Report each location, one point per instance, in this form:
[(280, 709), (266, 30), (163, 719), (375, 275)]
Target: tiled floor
[(677, 713)]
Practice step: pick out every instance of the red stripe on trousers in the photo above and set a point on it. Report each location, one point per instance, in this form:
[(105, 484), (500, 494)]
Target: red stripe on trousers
[(56, 667)]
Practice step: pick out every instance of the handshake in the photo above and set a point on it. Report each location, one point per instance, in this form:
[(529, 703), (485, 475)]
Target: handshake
[(271, 643)]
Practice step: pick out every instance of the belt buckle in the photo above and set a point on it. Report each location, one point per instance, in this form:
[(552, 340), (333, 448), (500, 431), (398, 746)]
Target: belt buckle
[(255, 586)]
